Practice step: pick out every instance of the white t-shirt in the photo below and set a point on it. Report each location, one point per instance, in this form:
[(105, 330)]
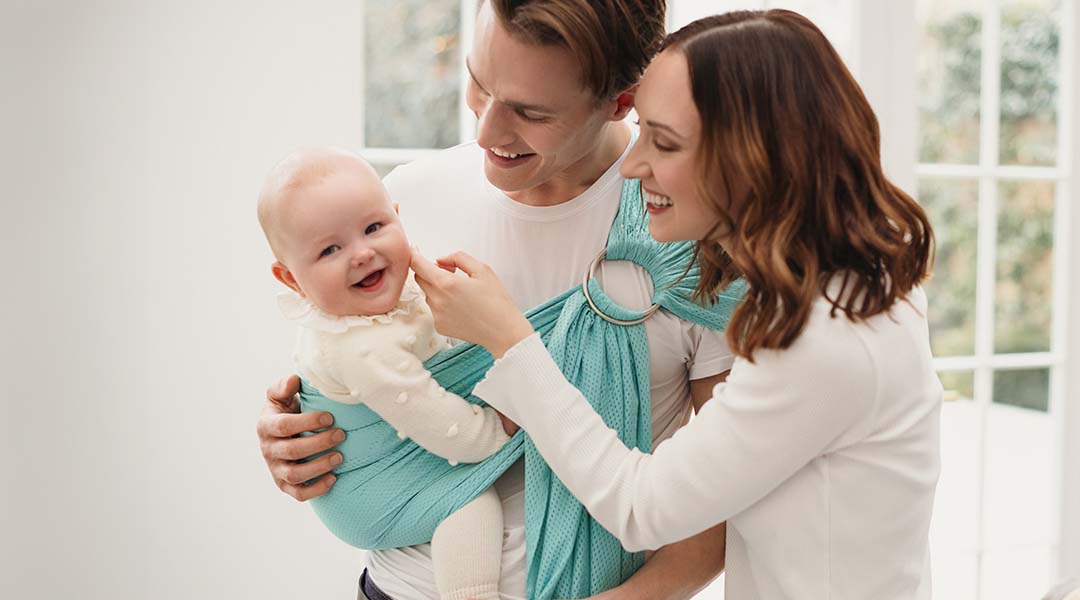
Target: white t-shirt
[(822, 458), (447, 204)]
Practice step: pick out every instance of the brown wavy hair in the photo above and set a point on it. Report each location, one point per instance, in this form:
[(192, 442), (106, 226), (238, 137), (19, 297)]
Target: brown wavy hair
[(785, 124)]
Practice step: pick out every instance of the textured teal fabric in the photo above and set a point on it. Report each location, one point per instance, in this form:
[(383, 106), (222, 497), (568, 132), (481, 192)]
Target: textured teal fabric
[(392, 493)]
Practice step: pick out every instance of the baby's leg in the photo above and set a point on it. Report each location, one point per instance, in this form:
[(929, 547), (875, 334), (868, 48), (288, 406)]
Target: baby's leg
[(467, 550)]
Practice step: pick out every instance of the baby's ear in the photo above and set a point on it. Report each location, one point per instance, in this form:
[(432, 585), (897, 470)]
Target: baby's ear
[(285, 276), (395, 205)]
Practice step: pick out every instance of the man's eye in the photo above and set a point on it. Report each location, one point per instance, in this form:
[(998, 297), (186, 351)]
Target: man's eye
[(327, 251), (532, 118), (372, 228)]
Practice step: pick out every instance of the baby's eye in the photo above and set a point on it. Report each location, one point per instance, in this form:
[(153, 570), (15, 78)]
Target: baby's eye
[(327, 251), (372, 228)]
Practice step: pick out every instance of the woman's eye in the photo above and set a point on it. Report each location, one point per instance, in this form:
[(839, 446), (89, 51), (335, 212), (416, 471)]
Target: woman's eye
[(372, 228), (664, 148), (327, 251)]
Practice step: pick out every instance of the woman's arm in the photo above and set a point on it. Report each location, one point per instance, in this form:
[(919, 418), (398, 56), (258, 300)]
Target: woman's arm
[(769, 420)]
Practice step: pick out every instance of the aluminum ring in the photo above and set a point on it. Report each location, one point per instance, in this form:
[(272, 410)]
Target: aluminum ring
[(589, 274)]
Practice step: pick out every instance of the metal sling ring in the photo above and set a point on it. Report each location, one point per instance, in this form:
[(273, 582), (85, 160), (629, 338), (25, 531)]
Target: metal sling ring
[(589, 274)]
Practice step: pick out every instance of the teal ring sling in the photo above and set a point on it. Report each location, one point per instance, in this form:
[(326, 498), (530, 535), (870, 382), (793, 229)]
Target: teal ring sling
[(391, 492)]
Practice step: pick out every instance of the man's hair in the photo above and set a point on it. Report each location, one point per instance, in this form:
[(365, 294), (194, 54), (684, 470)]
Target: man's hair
[(781, 115), (614, 40)]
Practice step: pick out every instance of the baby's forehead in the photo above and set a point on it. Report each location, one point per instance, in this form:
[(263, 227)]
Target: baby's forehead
[(341, 193)]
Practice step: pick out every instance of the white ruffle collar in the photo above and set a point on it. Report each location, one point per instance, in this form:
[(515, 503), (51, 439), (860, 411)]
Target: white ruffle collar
[(297, 308)]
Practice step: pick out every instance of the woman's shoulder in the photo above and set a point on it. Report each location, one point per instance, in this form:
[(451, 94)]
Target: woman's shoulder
[(829, 355)]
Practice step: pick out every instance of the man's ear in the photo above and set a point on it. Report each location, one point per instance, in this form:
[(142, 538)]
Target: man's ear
[(624, 103), (284, 275)]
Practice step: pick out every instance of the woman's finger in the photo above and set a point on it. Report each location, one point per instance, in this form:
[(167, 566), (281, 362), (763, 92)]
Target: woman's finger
[(425, 269), (464, 261), (445, 266)]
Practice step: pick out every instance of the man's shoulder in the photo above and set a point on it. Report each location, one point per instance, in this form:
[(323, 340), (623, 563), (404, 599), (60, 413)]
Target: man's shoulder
[(458, 165)]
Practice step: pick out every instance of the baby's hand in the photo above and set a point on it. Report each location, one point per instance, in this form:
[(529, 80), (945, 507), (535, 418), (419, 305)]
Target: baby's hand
[(509, 426)]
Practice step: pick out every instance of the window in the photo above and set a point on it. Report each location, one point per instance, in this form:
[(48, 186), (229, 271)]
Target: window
[(414, 78), (993, 175), (975, 103)]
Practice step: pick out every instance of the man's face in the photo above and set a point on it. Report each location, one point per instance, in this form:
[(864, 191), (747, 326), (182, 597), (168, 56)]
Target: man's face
[(538, 122)]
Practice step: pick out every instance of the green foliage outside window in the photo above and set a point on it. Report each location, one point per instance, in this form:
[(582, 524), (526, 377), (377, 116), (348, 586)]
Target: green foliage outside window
[(949, 111)]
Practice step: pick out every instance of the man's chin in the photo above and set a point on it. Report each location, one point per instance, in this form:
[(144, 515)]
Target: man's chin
[(505, 182)]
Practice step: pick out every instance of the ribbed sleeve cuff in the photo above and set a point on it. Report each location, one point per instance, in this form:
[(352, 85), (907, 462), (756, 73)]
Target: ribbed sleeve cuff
[(523, 380)]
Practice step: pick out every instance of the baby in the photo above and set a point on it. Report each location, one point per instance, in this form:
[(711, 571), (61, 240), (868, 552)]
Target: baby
[(365, 331)]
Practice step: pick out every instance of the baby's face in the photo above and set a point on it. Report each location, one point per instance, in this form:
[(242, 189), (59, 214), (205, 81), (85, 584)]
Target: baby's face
[(345, 245)]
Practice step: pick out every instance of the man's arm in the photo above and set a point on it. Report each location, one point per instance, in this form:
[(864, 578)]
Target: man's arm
[(701, 389), (680, 570)]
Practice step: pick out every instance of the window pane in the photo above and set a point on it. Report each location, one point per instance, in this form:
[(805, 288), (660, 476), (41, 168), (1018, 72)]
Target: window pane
[(952, 206), (1024, 267), (412, 73), (1024, 388), (959, 385), (1029, 81), (949, 80)]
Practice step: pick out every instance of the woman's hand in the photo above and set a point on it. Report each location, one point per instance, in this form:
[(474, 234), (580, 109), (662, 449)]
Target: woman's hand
[(476, 308)]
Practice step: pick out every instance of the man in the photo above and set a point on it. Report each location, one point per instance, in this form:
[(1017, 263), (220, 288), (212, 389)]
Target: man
[(534, 197)]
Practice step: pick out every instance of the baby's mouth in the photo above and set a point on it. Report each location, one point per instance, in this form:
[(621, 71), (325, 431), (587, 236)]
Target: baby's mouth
[(371, 280)]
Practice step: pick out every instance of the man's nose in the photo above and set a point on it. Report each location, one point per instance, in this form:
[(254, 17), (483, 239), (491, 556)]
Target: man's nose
[(492, 130)]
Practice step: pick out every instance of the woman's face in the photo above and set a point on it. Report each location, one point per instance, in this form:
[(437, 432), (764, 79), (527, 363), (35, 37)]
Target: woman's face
[(665, 155)]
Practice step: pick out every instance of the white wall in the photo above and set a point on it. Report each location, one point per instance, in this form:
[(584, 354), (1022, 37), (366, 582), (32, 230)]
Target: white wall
[(139, 323)]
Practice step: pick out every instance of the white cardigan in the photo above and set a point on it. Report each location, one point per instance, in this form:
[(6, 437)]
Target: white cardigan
[(822, 458)]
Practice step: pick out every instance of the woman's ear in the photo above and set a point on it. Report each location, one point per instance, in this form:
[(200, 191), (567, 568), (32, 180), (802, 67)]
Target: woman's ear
[(285, 276)]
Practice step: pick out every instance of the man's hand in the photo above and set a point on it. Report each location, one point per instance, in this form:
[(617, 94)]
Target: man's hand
[(283, 452)]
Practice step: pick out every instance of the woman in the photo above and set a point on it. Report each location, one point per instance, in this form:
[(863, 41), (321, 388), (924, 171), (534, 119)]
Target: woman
[(821, 449)]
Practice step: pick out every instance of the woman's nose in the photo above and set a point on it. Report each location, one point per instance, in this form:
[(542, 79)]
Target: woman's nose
[(635, 166)]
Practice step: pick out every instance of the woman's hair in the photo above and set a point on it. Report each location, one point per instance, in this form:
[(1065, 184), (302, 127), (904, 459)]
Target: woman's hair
[(787, 129), (614, 40)]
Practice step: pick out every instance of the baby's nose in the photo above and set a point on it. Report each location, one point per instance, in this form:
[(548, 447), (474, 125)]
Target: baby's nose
[(363, 255)]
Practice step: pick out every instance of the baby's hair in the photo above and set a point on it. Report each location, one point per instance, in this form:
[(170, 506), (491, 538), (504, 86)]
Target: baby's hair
[(295, 172)]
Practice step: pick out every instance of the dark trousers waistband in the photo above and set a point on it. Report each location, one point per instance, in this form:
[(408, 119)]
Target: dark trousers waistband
[(368, 590)]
